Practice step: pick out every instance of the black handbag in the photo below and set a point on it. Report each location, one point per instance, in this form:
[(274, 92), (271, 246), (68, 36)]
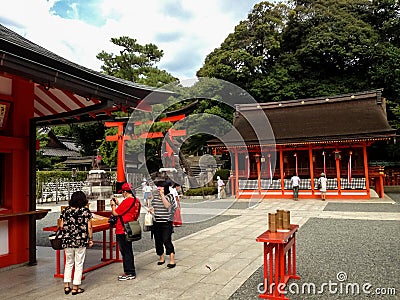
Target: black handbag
[(133, 230), (56, 239)]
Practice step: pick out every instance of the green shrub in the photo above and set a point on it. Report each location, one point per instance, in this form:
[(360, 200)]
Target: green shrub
[(223, 173), (201, 191), (56, 175), (45, 176)]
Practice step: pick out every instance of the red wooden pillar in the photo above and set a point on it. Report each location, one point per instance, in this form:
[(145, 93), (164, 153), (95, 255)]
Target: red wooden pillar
[(119, 137), (236, 173), (366, 169), (282, 173), (337, 159), (257, 158), (381, 184), (247, 166), (311, 168)]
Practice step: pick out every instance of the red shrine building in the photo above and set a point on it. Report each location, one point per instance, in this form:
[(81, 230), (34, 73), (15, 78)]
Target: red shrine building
[(328, 135), (39, 88)]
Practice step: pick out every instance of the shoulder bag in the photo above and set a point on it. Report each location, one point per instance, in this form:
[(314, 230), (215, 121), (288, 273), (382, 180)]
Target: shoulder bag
[(133, 230), (56, 239), (148, 221)]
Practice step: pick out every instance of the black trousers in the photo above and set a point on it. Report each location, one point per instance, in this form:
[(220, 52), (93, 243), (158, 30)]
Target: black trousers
[(128, 260), (163, 237)]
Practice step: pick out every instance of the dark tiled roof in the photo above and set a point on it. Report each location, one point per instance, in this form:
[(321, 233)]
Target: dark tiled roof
[(20, 55), (338, 118), (59, 152)]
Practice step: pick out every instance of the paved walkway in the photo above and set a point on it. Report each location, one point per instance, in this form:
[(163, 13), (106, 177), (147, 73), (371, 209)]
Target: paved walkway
[(211, 264)]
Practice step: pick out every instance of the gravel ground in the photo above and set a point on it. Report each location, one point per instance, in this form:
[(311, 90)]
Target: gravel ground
[(363, 207), (366, 251), (361, 249), (394, 197)]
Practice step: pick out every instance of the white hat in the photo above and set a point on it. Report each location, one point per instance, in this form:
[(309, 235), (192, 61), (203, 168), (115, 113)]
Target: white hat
[(144, 179)]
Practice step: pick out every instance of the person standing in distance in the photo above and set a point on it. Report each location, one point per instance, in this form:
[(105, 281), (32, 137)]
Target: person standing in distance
[(146, 193), (322, 181), (129, 210), (295, 184), (221, 185), (76, 222)]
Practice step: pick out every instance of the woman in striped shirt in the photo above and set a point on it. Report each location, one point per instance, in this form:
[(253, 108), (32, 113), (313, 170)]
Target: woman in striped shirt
[(163, 207)]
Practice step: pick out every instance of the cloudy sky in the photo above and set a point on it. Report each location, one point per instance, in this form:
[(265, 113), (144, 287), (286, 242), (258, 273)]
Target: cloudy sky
[(186, 30)]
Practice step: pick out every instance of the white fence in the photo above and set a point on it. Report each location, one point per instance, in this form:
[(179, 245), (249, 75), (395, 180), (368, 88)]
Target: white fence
[(59, 190)]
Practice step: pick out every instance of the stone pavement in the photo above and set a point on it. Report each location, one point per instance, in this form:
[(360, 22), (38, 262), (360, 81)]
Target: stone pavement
[(211, 264)]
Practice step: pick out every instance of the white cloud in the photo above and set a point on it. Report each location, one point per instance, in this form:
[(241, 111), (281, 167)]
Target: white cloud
[(185, 30)]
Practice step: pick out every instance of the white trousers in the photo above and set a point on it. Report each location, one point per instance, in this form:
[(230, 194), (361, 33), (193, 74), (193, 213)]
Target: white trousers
[(74, 256)]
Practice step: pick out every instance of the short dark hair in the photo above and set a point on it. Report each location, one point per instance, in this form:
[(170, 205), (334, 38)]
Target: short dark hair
[(78, 199), (175, 185), (167, 184)]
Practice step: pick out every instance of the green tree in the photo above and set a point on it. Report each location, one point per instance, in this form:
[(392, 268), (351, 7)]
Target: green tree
[(314, 48), (135, 63), (88, 136), (42, 162)]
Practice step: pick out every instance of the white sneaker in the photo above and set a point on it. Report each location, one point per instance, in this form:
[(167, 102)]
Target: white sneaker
[(126, 277)]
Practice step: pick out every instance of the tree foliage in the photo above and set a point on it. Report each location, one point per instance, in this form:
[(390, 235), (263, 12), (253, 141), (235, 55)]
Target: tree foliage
[(135, 62), (314, 48)]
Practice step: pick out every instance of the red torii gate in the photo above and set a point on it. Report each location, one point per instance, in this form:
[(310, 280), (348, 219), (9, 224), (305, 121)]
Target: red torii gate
[(120, 137)]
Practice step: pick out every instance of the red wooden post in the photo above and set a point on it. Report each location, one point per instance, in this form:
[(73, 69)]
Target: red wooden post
[(282, 172), (310, 157), (337, 159), (257, 157), (120, 159), (366, 170), (237, 172)]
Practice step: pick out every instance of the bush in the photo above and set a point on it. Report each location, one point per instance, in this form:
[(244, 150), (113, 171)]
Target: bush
[(45, 176), (223, 173), (201, 191)]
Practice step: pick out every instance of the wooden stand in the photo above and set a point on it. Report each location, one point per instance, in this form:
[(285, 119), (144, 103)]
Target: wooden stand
[(279, 261), (108, 246)]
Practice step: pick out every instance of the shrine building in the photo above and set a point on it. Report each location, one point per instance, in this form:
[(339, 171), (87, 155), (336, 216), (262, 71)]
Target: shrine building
[(38, 88), (328, 135)]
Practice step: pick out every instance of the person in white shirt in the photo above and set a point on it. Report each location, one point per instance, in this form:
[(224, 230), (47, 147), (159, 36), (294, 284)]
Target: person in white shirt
[(322, 181), (221, 185), (295, 184), (146, 193)]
